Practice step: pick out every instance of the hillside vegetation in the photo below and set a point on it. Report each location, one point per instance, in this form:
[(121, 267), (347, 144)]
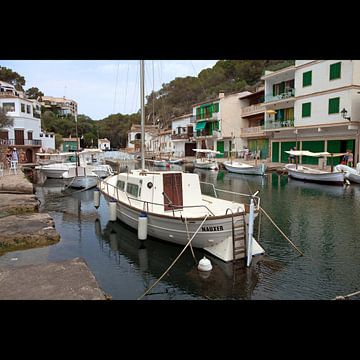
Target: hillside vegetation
[(173, 99)]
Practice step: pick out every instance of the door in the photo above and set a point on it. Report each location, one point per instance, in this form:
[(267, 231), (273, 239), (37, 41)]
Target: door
[(189, 149), (220, 147), (19, 137), (29, 155), (172, 191)]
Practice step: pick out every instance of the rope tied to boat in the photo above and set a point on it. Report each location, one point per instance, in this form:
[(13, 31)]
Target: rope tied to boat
[(177, 258)]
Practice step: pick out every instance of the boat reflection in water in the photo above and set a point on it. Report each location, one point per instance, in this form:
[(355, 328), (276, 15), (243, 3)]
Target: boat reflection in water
[(153, 257)]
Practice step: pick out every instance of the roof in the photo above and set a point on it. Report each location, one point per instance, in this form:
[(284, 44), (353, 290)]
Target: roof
[(57, 99), (274, 73), (262, 91), (182, 117)]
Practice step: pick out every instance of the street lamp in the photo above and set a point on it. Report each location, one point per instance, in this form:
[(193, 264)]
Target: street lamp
[(343, 114)]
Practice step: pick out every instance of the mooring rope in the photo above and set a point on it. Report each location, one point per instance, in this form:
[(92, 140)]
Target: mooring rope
[(345, 297), (177, 258)]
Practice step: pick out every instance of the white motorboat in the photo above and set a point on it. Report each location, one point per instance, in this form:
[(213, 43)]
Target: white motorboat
[(161, 163), (242, 168), (305, 173), (176, 211), (174, 161), (353, 175), (80, 177), (205, 159)]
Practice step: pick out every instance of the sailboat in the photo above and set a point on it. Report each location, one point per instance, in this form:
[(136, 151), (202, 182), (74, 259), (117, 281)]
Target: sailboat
[(178, 212)]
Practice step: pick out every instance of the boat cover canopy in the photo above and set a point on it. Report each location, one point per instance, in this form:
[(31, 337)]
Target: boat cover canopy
[(207, 151), (313, 154)]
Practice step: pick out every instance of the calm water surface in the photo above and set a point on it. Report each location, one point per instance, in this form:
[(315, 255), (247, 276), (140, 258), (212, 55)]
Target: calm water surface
[(321, 220)]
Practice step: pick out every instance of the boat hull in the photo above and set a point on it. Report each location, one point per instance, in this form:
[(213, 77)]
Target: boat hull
[(240, 168), (334, 178), (81, 182), (206, 165)]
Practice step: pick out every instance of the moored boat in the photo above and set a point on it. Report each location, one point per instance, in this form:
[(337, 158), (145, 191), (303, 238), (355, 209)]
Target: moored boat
[(242, 168)]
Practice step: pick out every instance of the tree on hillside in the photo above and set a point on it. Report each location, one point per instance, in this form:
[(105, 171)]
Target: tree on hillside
[(34, 93), (12, 77), (5, 121)]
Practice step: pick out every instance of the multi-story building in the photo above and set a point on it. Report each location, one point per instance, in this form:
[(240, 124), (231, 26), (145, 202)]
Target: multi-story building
[(322, 115), (218, 123), (26, 129), (182, 136), (60, 106), (252, 133)]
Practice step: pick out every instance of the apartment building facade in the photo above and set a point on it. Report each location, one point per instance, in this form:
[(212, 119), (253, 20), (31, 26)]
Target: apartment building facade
[(218, 123), (61, 106)]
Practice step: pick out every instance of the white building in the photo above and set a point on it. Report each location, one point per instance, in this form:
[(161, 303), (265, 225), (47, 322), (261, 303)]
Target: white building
[(182, 136), (104, 144), (47, 141), (218, 123), (151, 138), (26, 129), (312, 116)]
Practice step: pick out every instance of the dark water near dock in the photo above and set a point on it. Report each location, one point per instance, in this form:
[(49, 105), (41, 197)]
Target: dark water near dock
[(321, 220)]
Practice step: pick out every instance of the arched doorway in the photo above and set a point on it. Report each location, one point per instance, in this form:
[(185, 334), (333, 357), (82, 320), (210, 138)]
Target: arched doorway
[(29, 155)]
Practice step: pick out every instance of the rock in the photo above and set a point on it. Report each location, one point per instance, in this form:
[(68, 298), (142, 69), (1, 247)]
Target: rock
[(27, 231), (12, 204)]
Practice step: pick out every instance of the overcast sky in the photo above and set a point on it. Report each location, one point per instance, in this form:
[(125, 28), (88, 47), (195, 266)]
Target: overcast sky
[(102, 87)]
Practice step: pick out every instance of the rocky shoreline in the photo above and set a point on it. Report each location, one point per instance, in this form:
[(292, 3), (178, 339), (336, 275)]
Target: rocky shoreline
[(23, 227)]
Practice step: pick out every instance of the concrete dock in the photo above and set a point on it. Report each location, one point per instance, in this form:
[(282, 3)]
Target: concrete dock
[(66, 280)]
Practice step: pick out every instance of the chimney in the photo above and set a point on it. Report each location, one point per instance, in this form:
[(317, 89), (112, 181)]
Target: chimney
[(221, 95)]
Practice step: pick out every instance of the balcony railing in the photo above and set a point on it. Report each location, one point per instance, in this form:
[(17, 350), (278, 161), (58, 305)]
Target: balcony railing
[(255, 130), (286, 95), (205, 132), (279, 124), (180, 136), (20, 142), (209, 116), (252, 109)]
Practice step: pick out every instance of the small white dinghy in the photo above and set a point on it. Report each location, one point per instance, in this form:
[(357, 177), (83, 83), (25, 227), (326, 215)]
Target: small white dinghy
[(207, 161), (353, 175), (241, 168)]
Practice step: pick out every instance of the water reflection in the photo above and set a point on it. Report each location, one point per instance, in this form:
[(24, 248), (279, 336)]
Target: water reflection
[(152, 257)]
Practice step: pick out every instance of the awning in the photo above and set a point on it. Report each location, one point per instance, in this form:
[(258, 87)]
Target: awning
[(200, 125)]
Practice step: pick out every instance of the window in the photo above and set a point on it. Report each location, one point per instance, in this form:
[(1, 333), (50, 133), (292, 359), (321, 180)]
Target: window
[(306, 109), (307, 78), (132, 189), (120, 185), (41, 135), (216, 107), (30, 135), (23, 108), (8, 107), (335, 71), (334, 105), (28, 109)]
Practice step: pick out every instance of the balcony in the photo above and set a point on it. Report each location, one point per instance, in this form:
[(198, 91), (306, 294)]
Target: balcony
[(252, 131), (279, 124), (286, 95), (206, 134), (18, 142), (252, 110), (208, 117), (180, 136)]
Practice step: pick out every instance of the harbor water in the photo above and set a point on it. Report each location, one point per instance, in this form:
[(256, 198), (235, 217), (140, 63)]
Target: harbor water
[(321, 220)]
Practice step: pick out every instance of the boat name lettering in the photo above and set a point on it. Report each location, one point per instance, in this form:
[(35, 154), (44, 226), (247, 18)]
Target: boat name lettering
[(212, 228)]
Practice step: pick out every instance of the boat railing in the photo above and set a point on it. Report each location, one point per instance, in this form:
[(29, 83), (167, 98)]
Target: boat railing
[(256, 198), (145, 202)]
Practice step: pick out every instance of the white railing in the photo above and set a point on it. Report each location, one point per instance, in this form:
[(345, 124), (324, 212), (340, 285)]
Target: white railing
[(248, 110), (252, 130)]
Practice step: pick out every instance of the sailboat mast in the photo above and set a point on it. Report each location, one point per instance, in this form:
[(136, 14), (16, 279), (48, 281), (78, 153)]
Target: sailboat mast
[(142, 95)]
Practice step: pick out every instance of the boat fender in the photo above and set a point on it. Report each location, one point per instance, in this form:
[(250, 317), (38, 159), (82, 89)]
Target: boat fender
[(96, 198), (142, 226), (112, 210), (204, 264)]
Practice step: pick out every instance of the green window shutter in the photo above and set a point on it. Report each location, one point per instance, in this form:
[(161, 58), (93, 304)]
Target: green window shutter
[(307, 78), (282, 87), (274, 93), (335, 71), (306, 109), (334, 105)]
